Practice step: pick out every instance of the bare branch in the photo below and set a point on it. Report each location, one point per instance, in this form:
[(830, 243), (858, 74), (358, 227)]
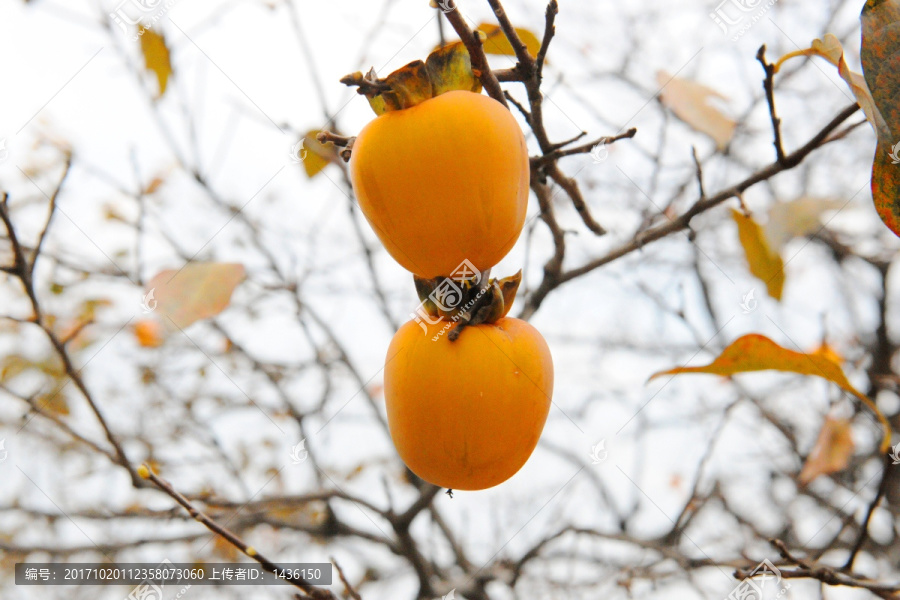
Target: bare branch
[(311, 591), (769, 85), (476, 54)]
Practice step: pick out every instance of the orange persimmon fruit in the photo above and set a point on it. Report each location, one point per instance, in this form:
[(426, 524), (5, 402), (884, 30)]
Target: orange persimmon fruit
[(443, 181), (467, 414)]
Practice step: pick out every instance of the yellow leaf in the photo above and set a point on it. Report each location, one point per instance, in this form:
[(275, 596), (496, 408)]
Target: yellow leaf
[(796, 218), (864, 97), (315, 155), (55, 403), (89, 307), (756, 352), (832, 451), (12, 366), (765, 263), (690, 101), (224, 549), (111, 213), (876, 94), (148, 376), (154, 185), (826, 350), (496, 42), (355, 472), (197, 291), (156, 57), (77, 334), (829, 48)]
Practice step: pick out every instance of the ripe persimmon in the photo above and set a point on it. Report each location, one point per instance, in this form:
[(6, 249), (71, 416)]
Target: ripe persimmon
[(443, 181), (467, 414)]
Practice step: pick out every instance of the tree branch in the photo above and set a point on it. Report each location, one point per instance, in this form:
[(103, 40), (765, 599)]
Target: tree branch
[(311, 591)]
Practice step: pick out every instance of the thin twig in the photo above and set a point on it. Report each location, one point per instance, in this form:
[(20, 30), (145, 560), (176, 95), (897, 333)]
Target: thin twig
[(317, 593), (349, 588), (558, 153), (367, 84), (571, 140), (22, 269), (699, 170), (682, 222), (476, 55), (51, 210), (323, 137), (827, 575), (769, 85), (574, 193), (549, 32), (521, 107), (526, 61), (864, 527)]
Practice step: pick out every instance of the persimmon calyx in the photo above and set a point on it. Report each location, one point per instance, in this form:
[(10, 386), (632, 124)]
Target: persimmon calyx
[(448, 297), (446, 69), (467, 302)]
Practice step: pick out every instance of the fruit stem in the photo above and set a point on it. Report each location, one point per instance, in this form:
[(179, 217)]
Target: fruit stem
[(338, 140), (479, 310), (369, 84), (323, 137)]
